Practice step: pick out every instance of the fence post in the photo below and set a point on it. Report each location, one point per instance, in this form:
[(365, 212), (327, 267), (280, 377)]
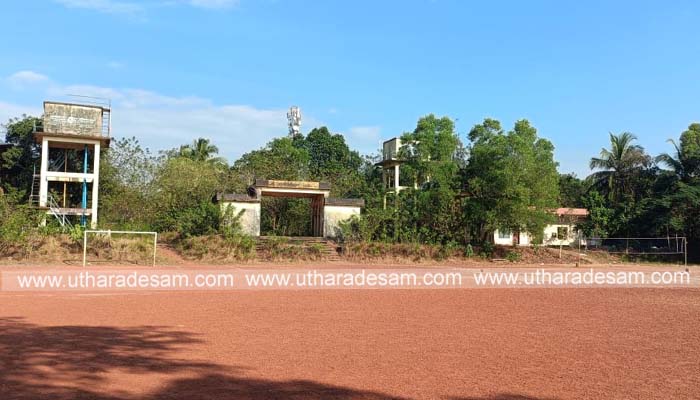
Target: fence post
[(155, 244)]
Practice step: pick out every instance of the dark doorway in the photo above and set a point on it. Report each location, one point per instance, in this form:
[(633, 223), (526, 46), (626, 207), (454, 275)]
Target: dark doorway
[(285, 216)]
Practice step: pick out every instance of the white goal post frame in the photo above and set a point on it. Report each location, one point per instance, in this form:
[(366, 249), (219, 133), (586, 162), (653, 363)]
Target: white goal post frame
[(109, 232)]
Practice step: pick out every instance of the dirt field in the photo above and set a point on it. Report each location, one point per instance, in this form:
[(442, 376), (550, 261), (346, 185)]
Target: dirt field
[(352, 344)]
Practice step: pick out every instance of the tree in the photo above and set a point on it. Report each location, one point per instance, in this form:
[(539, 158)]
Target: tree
[(685, 163), (429, 155), (571, 190), (184, 189), (511, 179), (279, 159), (678, 200), (429, 151), (203, 150), (620, 166), (601, 218), (332, 161), (17, 163), (127, 173)]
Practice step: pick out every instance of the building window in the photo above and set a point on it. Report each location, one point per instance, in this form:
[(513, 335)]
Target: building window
[(562, 233), (503, 235)]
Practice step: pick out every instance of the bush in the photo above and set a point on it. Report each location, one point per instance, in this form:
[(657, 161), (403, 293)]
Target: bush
[(469, 251), (487, 250), (18, 223), (513, 256), (200, 219)]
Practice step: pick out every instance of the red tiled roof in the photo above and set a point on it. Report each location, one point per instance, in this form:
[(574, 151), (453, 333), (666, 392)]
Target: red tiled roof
[(572, 211)]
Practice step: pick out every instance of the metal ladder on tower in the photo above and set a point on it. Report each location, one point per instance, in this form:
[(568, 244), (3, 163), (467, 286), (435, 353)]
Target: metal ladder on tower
[(34, 192), (55, 165), (55, 210)]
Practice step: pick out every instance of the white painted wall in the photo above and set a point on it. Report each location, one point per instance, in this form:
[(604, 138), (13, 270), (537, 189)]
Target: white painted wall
[(551, 239), (333, 215), (507, 240), (525, 239), (250, 220)]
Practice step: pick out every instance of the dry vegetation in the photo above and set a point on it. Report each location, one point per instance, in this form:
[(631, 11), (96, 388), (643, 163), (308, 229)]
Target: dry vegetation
[(53, 248), (221, 249)]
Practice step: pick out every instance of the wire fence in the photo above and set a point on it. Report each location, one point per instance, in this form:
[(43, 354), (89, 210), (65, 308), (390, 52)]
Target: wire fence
[(631, 246)]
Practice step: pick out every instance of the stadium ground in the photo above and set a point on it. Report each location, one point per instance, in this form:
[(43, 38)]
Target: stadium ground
[(352, 344)]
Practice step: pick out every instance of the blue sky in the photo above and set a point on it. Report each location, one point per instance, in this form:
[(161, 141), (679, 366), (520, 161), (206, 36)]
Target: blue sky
[(228, 70)]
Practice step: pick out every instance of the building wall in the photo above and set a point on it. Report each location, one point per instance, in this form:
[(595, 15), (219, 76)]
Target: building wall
[(333, 215), (507, 240), (525, 239), (551, 235), (250, 220)]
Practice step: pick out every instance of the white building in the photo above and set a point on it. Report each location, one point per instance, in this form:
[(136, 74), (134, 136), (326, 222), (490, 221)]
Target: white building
[(561, 233)]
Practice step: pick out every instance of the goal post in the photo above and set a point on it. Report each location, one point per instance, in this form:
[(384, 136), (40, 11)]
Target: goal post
[(109, 233)]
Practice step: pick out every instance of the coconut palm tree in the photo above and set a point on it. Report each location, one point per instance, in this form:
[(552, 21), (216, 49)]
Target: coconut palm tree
[(675, 162), (685, 163), (619, 165), (201, 150)]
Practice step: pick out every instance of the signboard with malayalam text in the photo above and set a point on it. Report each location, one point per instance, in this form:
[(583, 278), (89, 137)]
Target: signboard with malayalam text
[(72, 119)]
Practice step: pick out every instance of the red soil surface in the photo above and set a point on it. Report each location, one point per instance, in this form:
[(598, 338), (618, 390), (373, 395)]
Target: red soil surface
[(352, 344)]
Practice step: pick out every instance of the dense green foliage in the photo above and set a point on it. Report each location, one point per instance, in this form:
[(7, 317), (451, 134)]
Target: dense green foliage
[(17, 162), (511, 179), (456, 192)]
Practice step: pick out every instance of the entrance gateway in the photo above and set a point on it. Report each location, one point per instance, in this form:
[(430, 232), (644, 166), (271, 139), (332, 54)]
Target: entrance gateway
[(326, 212)]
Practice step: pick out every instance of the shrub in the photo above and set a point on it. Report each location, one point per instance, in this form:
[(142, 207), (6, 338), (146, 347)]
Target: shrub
[(316, 249), (18, 223), (513, 256), (487, 250), (76, 234), (469, 251), (200, 219)]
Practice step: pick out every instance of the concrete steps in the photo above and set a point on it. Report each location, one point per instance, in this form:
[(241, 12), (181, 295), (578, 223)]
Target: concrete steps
[(327, 248)]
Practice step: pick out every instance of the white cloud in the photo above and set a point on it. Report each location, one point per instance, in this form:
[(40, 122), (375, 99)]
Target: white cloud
[(139, 9), (9, 110), (365, 132), (162, 121), (22, 78), (235, 129), (116, 65), (104, 6), (366, 139)]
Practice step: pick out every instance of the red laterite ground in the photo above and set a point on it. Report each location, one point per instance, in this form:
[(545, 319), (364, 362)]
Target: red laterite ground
[(352, 344)]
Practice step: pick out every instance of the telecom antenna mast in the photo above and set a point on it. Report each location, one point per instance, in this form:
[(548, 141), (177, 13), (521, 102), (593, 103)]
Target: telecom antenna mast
[(294, 118)]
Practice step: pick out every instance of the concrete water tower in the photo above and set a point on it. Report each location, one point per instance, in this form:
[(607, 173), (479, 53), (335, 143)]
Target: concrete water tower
[(71, 137)]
